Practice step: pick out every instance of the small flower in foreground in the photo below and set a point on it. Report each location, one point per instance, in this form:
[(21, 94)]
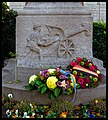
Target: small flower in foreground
[(31, 105), (16, 112), (96, 101), (10, 95), (25, 115), (8, 113), (92, 115), (63, 115), (98, 114)]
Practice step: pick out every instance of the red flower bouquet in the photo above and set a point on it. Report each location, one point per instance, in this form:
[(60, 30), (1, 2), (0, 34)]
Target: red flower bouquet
[(86, 73)]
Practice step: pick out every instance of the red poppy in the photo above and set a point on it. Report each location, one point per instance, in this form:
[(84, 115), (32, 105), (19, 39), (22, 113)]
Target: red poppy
[(100, 76), (86, 63), (83, 86), (76, 76), (79, 59), (92, 68), (73, 63), (80, 81), (87, 80)]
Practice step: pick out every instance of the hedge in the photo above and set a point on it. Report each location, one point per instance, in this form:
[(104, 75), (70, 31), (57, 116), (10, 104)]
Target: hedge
[(99, 41)]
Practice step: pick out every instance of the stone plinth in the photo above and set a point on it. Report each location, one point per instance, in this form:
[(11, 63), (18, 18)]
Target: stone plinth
[(51, 34), (21, 94)]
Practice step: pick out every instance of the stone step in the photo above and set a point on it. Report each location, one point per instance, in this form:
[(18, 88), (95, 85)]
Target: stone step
[(21, 94)]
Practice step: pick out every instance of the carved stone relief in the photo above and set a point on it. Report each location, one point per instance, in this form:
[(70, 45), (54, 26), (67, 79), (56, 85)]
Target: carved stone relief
[(55, 38)]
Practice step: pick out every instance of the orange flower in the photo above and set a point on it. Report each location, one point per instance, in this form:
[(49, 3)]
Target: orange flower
[(63, 115)]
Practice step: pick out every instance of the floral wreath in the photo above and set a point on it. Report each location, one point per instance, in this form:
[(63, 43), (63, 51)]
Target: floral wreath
[(80, 73)]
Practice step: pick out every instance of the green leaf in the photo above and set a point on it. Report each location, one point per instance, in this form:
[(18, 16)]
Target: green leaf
[(40, 86), (29, 87), (43, 89), (38, 82), (51, 95), (57, 91), (17, 81)]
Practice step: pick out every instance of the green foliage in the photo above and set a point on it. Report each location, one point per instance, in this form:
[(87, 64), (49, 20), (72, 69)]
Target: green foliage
[(51, 115), (43, 89), (62, 105), (8, 31), (23, 106), (57, 91), (99, 41)]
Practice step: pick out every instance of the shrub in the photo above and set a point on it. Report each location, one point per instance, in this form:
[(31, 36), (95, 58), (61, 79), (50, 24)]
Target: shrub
[(99, 41), (8, 31)]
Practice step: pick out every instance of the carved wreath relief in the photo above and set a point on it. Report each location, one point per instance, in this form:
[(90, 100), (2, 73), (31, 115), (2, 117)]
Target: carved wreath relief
[(53, 39)]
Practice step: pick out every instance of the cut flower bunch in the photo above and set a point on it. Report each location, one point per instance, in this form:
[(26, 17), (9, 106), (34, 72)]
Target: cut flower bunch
[(80, 73), (87, 74)]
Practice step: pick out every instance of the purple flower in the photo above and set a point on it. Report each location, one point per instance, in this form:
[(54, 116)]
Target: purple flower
[(92, 115), (88, 111), (63, 77), (44, 73), (59, 83)]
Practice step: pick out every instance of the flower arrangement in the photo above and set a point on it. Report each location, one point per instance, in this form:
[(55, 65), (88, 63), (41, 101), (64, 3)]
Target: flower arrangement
[(80, 73), (55, 81), (86, 73)]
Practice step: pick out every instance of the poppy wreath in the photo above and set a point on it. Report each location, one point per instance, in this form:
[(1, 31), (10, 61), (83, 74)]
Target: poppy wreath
[(86, 73)]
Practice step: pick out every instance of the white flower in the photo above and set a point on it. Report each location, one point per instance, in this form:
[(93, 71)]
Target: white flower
[(32, 78), (33, 114), (41, 116), (10, 95), (31, 105), (27, 116), (51, 70), (8, 113), (16, 112)]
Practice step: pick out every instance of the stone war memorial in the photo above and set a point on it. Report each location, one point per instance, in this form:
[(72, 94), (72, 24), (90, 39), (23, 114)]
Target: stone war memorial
[(50, 34)]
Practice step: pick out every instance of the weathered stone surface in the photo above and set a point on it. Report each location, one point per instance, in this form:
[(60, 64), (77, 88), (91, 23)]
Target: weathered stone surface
[(53, 34), (83, 95)]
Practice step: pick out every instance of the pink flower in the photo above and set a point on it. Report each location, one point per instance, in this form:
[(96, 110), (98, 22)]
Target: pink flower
[(58, 69), (79, 59), (92, 68), (83, 86), (80, 81), (87, 80), (100, 76), (73, 63), (76, 76), (86, 63)]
